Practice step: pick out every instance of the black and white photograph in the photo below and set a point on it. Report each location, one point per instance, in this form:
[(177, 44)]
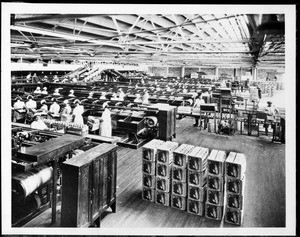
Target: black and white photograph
[(148, 119)]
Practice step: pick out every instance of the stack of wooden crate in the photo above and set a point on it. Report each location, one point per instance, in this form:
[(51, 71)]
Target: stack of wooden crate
[(215, 185), (197, 177), (163, 172), (179, 176), (235, 168), (149, 158)]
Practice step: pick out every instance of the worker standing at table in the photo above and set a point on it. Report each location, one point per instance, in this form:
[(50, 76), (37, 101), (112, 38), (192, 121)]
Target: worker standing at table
[(199, 101), (19, 109), (44, 108), (77, 112), (145, 98), (37, 90), (38, 123), (271, 111), (66, 112), (31, 104), (54, 108), (105, 122), (44, 92), (121, 94)]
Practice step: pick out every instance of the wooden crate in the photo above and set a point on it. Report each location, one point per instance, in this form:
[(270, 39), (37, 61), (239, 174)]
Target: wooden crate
[(165, 152), (178, 202), (197, 193), (235, 165), (180, 155), (163, 170), (148, 181), (148, 194), (235, 186), (179, 174), (89, 186), (179, 188), (162, 198), (214, 212), (195, 207), (148, 167), (233, 216), (215, 162), (196, 178), (150, 150), (163, 184), (197, 159), (215, 197), (215, 182), (235, 201)]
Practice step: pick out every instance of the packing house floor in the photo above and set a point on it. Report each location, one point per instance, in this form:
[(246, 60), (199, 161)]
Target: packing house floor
[(264, 191)]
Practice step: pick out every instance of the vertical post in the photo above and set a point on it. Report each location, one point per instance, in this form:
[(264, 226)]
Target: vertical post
[(217, 73), (54, 189), (254, 73), (167, 71), (182, 71)]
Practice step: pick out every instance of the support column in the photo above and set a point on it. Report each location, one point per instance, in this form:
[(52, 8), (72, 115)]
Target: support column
[(254, 73), (217, 73), (241, 73), (182, 71), (167, 71)]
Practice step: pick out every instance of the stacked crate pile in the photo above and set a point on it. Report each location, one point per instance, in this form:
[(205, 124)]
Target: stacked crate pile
[(197, 177), (235, 168), (164, 160), (179, 176), (149, 158), (215, 185)]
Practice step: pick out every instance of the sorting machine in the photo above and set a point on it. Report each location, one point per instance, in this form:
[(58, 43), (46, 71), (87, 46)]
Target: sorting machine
[(37, 158)]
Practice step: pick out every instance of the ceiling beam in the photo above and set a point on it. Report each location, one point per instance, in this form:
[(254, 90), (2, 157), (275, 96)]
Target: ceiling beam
[(65, 36), (187, 42), (50, 17)]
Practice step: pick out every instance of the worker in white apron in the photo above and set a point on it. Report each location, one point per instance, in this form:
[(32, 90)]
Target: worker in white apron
[(105, 122), (19, 109), (65, 114), (77, 112)]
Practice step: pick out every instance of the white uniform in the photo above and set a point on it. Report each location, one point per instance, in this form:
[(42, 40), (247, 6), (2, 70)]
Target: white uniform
[(105, 125), (44, 92), (77, 112), (37, 91), (145, 98), (18, 105), (44, 108), (38, 125), (198, 102), (31, 104), (54, 108), (121, 95), (65, 113)]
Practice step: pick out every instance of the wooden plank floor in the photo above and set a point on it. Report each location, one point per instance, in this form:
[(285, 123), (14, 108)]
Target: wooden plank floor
[(264, 193)]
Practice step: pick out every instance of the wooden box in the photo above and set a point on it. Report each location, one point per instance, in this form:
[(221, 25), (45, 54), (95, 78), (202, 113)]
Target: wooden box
[(235, 165), (215, 197), (89, 186), (131, 124), (180, 155), (163, 184), (197, 159), (165, 152), (179, 188), (163, 170), (197, 193), (148, 194), (178, 202), (162, 198), (234, 201), (148, 181), (215, 162), (150, 150), (235, 186), (233, 216), (179, 174), (214, 212), (195, 207), (148, 167), (167, 122), (215, 183), (196, 178)]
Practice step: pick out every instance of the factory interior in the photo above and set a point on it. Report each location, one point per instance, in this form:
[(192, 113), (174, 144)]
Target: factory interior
[(159, 118)]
